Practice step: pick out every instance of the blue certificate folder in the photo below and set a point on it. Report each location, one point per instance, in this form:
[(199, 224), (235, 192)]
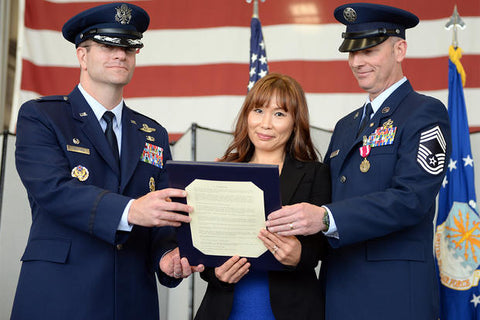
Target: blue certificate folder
[(182, 173)]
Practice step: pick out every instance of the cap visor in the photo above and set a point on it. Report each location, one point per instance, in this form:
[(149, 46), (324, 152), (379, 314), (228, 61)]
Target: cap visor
[(351, 45)]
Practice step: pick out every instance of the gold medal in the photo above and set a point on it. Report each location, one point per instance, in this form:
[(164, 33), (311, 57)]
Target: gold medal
[(365, 165)]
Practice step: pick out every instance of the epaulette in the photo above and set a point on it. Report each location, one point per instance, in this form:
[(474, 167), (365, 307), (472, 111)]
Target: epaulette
[(52, 98), (144, 116)]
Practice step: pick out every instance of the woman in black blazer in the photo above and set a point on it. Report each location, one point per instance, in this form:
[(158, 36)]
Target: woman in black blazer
[(273, 128)]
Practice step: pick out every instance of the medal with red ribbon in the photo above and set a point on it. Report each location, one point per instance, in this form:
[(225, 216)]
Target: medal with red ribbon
[(364, 152)]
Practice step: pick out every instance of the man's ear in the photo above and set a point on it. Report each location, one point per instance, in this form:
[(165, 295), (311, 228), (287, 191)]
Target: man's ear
[(400, 50), (81, 56)]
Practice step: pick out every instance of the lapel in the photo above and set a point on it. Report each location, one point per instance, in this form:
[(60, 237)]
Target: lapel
[(90, 126), (133, 142), (292, 173), (346, 139)]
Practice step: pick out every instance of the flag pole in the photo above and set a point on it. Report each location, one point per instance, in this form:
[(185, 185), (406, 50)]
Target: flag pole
[(255, 7), (454, 23), (258, 54)]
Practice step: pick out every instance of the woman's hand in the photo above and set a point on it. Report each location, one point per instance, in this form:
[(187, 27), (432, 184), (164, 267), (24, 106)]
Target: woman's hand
[(286, 249), (232, 270)]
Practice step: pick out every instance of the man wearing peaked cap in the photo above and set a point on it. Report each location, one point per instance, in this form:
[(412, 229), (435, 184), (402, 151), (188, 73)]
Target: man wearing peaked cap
[(387, 163), (371, 24), (116, 24), (100, 232)]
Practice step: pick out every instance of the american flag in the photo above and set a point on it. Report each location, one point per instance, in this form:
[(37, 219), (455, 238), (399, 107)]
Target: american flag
[(196, 57), (258, 53)]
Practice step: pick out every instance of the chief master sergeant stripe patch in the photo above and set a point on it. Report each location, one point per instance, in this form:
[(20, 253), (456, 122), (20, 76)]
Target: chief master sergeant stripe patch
[(431, 151)]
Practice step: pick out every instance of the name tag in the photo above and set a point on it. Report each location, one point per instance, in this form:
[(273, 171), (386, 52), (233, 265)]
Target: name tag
[(78, 149)]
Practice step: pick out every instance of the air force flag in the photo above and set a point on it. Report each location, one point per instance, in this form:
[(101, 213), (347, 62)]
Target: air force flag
[(457, 238)]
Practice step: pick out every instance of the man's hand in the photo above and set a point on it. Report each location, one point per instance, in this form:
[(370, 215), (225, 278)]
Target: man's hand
[(156, 209), (298, 219), (172, 265)]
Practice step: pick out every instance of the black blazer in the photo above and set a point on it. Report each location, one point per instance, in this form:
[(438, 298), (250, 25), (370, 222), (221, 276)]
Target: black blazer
[(294, 293)]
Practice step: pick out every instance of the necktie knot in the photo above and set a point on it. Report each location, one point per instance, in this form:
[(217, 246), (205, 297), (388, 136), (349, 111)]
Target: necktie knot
[(368, 110), (108, 117)]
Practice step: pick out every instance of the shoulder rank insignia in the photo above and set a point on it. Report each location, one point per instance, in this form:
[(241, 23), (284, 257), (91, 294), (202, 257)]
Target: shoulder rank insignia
[(80, 172), (146, 128), (52, 98)]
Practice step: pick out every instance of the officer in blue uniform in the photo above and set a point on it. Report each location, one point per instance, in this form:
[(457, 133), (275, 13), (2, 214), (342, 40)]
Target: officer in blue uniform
[(387, 162), (102, 218)]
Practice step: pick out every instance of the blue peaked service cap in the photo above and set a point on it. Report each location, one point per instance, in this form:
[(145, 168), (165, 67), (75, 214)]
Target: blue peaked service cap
[(370, 24), (117, 24)]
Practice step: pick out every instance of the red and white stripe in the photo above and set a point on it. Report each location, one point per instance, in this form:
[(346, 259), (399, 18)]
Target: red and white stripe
[(194, 66)]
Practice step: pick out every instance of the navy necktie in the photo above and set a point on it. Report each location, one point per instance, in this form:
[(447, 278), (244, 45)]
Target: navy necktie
[(110, 134), (366, 118)]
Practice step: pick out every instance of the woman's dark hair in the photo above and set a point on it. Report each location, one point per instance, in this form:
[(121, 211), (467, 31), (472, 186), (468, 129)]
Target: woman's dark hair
[(291, 98)]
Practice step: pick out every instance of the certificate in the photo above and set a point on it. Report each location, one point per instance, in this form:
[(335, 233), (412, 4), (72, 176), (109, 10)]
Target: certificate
[(231, 202)]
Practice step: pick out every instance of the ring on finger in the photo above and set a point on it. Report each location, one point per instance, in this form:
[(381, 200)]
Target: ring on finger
[(291, 226), (177, 275), (275, 249)]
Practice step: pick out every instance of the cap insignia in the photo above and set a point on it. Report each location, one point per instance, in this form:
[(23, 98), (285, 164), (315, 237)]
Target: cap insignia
[(349, 14), (124, 14)]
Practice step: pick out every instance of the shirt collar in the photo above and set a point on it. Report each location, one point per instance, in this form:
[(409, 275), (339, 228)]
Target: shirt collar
[(378, 101), (99, 109)]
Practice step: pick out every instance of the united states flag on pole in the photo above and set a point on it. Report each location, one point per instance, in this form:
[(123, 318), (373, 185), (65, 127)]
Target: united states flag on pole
[(258, 53), (457, 240)]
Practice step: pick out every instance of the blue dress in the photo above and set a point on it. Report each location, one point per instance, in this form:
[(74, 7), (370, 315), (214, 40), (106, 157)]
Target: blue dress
[(251, 299)]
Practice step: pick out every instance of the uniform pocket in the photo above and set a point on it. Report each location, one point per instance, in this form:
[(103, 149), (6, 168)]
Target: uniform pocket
[(53, 250), (395, 250)]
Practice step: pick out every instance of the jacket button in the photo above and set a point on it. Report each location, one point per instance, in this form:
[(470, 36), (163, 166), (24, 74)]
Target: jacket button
[(119, 246), (343, 179)]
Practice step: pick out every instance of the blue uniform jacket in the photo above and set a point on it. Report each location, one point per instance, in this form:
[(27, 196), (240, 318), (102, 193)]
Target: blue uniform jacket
[(76, 264), (382, 265)]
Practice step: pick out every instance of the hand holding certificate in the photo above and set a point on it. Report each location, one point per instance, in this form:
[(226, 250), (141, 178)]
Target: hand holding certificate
[(230, 201)]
